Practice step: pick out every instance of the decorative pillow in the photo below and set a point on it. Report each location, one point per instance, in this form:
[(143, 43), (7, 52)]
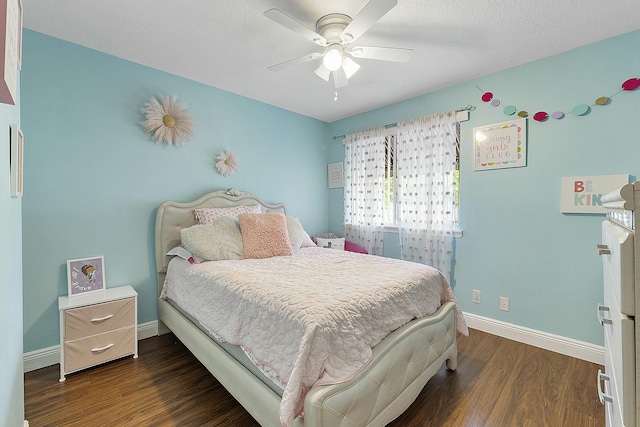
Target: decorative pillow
[(252, 208), (209, 215), (297, 235), (182, 252), (264, 235), (337, 243), (352, 247), (307, 242), (214, 242)]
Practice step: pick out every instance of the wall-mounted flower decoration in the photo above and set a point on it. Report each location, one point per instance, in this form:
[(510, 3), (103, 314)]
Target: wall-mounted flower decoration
[(167, 120), (227, 162)]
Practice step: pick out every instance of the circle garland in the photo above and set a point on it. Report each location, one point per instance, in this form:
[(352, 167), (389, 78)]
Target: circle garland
[(579, 110)]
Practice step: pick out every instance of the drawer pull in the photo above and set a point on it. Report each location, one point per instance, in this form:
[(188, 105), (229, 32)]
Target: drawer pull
[(100, 319), (99, 349), (602, 319), (603, 250), (603, 397)]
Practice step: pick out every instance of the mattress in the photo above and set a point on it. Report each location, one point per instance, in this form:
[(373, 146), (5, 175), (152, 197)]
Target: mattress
[(234, 351), (307, 319)]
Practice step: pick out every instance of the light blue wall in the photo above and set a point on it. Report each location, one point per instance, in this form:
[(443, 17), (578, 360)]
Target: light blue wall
[(94, 179), (516, 242), (11, 377)]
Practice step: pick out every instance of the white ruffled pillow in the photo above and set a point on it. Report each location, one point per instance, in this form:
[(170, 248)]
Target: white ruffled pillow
[(182, 252)]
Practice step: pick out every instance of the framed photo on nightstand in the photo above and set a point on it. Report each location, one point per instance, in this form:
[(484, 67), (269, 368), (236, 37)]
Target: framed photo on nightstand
[(85, 275)]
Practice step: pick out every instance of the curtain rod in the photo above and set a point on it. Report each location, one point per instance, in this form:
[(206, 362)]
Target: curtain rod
[(469, 107)]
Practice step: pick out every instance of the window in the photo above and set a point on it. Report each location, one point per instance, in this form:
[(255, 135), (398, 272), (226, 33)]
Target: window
[(406, 178), (390, 210)]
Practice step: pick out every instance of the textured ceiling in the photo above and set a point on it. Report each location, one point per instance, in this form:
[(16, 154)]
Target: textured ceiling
[(230, 43)]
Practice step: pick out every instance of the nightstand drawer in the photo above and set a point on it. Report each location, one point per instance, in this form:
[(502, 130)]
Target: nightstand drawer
[(96, 349), (98, 318)]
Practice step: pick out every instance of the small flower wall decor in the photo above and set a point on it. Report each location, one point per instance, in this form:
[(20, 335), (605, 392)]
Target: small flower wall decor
[(168, 120), (227, 163)]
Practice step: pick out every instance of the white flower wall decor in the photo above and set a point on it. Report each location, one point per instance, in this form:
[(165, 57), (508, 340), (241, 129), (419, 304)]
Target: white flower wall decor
[(227, 163), (167, 120)]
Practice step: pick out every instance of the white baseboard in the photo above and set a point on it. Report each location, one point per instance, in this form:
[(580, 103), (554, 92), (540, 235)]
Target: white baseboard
[(556, 343), (579, 349), (51, 355)]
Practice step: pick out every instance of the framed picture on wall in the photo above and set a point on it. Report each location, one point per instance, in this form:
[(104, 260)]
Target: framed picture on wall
[(85, 275), (11, 43), (16, 159), (336, 178), (500, 145)]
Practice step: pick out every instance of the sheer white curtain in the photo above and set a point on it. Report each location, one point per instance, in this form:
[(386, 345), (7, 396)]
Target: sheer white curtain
[(364, 180), (425, 189)]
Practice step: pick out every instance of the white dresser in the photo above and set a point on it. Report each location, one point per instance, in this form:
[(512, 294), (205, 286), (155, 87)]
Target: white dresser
[(620, 252)]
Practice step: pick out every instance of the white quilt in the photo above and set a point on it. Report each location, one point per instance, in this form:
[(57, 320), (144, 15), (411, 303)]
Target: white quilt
[(311, 318)]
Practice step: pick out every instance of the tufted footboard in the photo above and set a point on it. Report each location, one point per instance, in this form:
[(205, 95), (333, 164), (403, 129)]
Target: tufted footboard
[(401, 366)]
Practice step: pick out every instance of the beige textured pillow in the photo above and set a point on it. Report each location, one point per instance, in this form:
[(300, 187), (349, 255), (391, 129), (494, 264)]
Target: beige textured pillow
[(296, 233), (214, 242), (264, 235)]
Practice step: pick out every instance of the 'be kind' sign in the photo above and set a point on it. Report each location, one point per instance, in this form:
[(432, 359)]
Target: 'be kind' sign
[(583, 194)]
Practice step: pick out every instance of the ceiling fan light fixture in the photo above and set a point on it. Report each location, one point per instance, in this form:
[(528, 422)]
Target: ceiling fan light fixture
[(323, 72), (349, 66), (332, 59)]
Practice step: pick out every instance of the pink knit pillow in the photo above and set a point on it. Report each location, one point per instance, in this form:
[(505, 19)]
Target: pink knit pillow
[(264, 235)]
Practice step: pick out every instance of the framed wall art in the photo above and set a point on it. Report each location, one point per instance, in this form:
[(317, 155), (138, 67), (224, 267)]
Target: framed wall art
[(583, 194), (10, 49), (500, 145), (16, 159), (336, 177), (85, 275)]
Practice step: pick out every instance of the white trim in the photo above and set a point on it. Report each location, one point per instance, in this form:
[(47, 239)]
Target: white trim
[(579, 349), (147, 330), (51, 355), (556, 343)]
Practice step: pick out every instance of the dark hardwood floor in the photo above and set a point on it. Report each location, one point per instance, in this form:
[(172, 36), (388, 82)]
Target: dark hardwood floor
[(498, 383)]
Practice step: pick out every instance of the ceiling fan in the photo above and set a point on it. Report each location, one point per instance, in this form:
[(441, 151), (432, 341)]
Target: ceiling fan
[(336, 32)]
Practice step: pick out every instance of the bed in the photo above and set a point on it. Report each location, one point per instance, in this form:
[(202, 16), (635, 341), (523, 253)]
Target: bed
[(383, 388)]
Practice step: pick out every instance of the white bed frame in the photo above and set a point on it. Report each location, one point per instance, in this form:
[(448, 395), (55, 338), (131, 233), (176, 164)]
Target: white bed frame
[(401, 366)]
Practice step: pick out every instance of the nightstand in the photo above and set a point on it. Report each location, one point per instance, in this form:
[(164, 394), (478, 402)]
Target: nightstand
[(97, 327)]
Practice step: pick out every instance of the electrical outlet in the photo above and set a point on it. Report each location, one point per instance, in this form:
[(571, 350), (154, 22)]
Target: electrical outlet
[(504, 303), (476, 296)]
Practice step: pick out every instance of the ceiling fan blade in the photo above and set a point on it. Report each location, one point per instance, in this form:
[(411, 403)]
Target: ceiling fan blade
[(393, 54), (323, 72), (369, 15), (301, 60), (287, 21)]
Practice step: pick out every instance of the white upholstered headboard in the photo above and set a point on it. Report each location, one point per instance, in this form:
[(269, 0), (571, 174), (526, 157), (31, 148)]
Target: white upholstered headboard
[(174, 216)]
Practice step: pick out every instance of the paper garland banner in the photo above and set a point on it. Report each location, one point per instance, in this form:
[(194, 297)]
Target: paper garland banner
[(578, 110)]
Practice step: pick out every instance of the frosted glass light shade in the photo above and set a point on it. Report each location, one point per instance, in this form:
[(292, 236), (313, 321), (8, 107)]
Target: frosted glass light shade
[(350, 67), (332, 59)]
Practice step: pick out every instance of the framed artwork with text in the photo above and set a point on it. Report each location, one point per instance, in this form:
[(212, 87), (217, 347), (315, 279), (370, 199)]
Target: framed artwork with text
[(85, 275), (500, 145), (336, 177)]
